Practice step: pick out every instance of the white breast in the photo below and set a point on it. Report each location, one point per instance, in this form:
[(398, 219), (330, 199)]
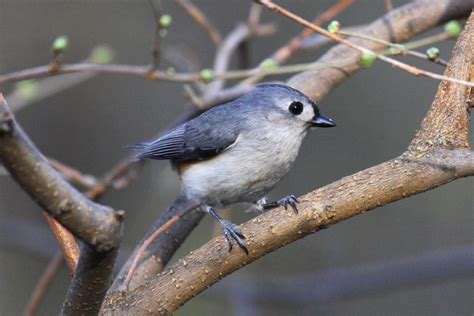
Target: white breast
[(246, 171)]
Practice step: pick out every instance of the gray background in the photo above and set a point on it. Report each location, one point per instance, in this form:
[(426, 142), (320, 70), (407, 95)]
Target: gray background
[(377, 111)]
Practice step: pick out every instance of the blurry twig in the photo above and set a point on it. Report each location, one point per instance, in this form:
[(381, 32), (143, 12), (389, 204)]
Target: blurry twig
[(73, 175), (156, 50), (223, 56), (346, 283), (43, 284), (119, 177), (30, 91), (388, 5), (201, 19)]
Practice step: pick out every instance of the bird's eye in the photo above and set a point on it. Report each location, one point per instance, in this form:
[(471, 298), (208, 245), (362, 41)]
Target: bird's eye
[(296, 108)]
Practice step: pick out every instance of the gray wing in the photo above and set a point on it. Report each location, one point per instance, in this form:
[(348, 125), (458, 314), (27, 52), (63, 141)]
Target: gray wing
[(197, 139)]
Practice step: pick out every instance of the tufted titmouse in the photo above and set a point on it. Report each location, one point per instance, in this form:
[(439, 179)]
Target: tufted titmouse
[(238, 151)]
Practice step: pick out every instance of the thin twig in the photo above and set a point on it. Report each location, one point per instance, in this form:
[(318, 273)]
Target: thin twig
[(408, 68), (201, 19), (66, 241), (43, 283), (149, 240), (388, 5), (400, 49), (156, 49), (73, 175), (294, 45)]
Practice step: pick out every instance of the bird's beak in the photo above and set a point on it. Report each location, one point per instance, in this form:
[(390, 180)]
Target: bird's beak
[(322, 121)]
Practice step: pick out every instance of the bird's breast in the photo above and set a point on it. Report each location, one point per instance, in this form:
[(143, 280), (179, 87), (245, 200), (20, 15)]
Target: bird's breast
[(244, 173)]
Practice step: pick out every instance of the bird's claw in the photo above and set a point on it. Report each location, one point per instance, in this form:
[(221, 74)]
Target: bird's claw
[(290, 200), (231, 233)]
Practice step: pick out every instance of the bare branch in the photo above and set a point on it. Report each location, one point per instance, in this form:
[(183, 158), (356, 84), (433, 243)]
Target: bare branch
[(90, 283), (97, 225), (73, 175), (200, 18), (427, 163), (223, 56)]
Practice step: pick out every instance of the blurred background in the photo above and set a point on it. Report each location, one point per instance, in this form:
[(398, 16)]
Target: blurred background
[(412, 257)]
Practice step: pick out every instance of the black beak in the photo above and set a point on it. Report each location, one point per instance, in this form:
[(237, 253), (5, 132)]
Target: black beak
[(322, 121)]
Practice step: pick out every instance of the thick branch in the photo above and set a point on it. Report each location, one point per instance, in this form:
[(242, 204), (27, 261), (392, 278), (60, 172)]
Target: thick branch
[(97, 225), (319, 209), (419, 169), (90, 282)]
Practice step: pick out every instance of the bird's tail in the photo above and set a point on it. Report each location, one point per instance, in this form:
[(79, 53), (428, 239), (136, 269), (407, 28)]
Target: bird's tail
[(140, 148)]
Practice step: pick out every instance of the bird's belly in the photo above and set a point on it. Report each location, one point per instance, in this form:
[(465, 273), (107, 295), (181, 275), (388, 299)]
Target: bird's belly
[(238, 175)]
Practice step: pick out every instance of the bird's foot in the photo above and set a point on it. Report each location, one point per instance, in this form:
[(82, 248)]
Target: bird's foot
[(231, 231), (289, 200)]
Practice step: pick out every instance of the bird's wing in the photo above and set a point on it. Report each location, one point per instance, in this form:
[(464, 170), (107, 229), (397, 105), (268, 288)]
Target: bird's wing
[(194, 140)]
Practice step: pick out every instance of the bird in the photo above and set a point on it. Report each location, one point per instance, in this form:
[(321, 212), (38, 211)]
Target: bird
[(238, 151)]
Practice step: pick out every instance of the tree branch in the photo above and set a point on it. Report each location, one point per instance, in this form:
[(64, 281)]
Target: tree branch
[(90, 282), (97, 225), (426, 164)]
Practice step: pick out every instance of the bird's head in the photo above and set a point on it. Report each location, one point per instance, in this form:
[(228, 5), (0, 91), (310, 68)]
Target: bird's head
[(291, 106)]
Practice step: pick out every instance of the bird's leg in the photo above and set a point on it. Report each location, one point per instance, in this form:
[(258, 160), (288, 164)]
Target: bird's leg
[(231, 232), (259, 206), (289, 200)]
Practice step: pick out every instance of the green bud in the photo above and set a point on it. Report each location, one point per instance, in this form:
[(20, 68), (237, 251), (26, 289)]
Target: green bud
[(453, 28), (28, 89), (102, 54), (432, 53), (367, 59), (269, 64), (397, 49), (207, 75), (171, 71), (60, 44), (334, 26), (165, 20)]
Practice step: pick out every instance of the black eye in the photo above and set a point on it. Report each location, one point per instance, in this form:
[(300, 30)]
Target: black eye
[(296, 108)]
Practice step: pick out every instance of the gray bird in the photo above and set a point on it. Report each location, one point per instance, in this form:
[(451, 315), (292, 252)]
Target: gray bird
[(238, 151)]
